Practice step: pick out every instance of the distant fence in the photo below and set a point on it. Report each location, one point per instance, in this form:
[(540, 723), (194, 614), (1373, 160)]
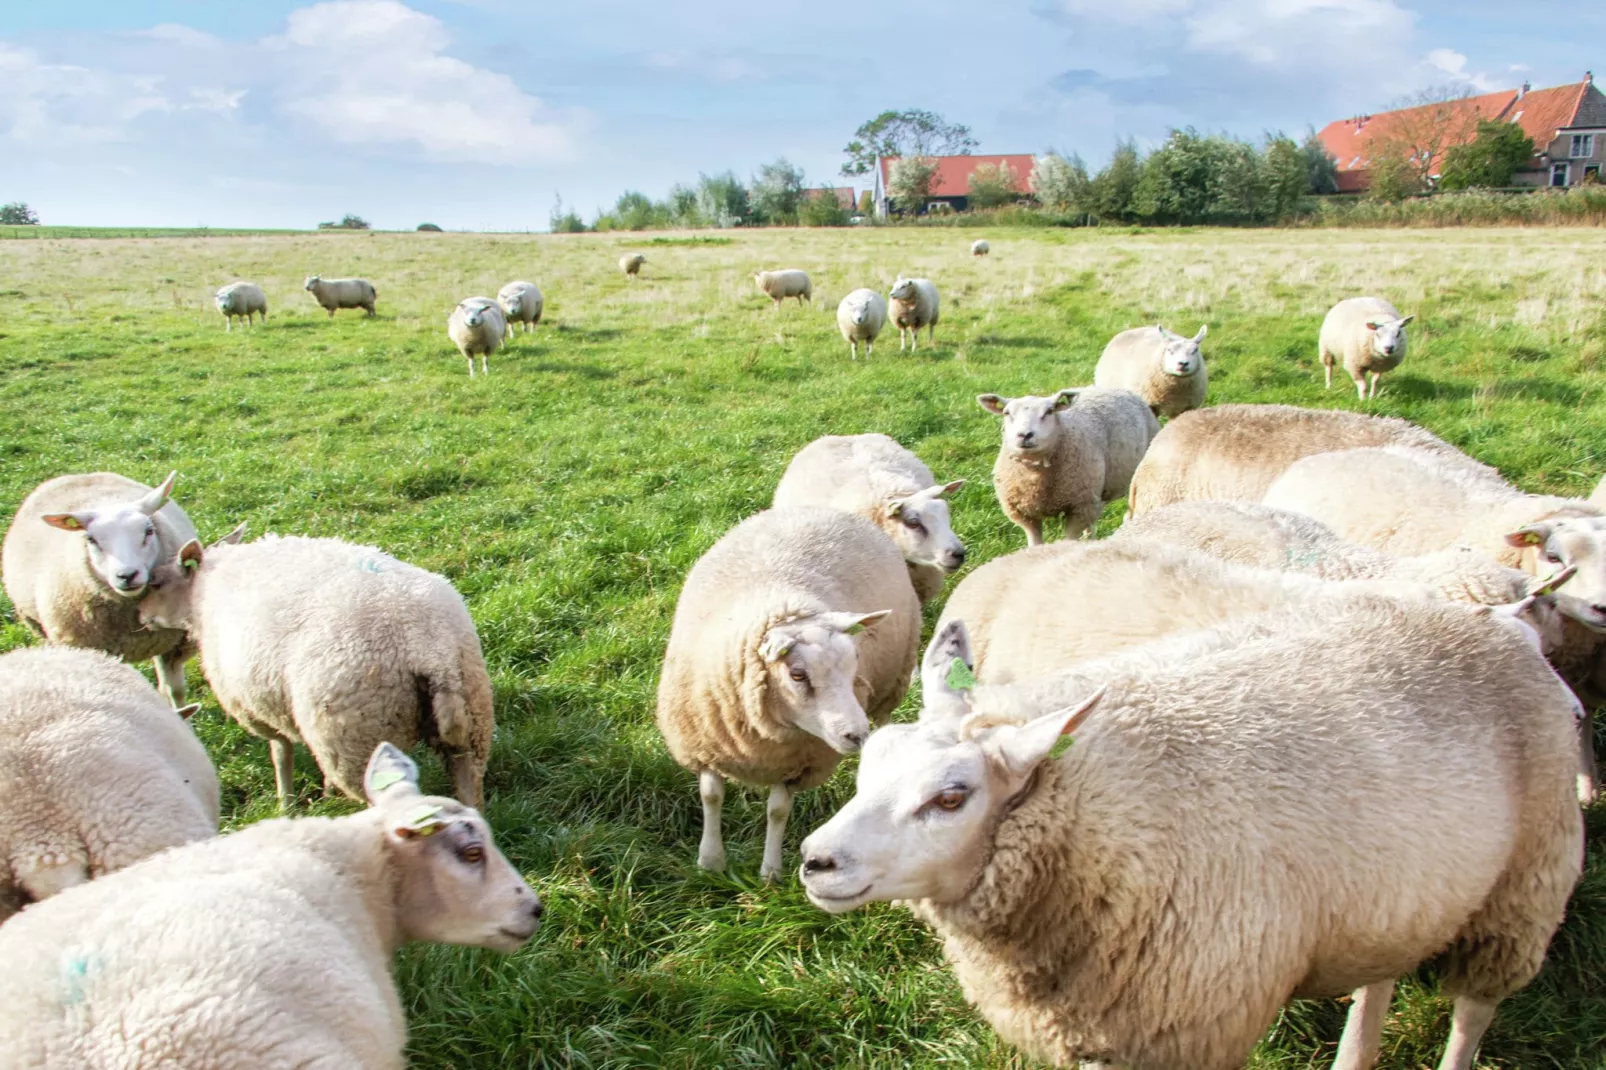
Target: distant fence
[(38, 232)]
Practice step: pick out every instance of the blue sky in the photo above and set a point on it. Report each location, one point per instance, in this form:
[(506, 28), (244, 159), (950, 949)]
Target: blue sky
[(476, 113)]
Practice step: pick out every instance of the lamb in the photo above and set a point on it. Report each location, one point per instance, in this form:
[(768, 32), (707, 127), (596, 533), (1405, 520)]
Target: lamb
[(915, 305), (334, 294), (477, 325), (96, 772), (980, 247), (78, 556), (791, 282), (1067, 455), (336, 646), (521, 303), (243, 299), (1288, 816), (873, 476), (1366, 334), (1164, 369), (268, 947), (860, 317), (775, 668), (631, 263)]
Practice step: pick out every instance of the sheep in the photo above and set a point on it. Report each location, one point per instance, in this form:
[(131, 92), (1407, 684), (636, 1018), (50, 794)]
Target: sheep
[(268, 947), (335, 294), (791, 282), (477, 325), (980, 247), (79, 554), (631, 263), (873, 476), (521, 303), (793, 633), (915, 305), (1067, 455), (1367, 334), (1164, 369), (1233, 452), (860, 317), (96, 772), (1235, 824), (336, 646), (243, 299)]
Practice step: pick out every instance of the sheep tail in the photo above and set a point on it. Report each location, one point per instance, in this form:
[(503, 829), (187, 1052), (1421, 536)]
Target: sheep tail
[(443, 714)]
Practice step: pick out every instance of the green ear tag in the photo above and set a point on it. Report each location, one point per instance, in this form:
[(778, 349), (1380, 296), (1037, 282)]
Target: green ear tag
[(384, 779), (960, 678), (421, 819), (1060, 746), (853, 629)]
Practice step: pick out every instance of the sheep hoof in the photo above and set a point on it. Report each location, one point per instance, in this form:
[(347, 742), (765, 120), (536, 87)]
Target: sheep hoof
[(714, 861)]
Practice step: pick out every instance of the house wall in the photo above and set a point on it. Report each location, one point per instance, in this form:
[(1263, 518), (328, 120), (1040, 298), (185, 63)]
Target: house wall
[(1560, 152)]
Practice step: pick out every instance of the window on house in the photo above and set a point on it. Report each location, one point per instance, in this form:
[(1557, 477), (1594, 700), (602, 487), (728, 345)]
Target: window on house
[(1583, 145), (1592, 173), (1558, 174)]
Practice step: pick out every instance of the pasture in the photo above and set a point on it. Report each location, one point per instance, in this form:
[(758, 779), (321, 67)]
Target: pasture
[(567, 495)]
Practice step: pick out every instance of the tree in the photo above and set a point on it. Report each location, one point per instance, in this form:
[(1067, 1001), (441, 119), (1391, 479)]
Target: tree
[(430, 227), (909, 181), (820, 208), (1418, 131), (1287, 175), (564, 222), (992, 185), (722, 200), (1177, 183), (1321, 166), (905, 133), (18, 214), (776, 192), (1110, 194), (684, 210), (867, 203), (1490, 159), (1060, 185), (1392, 178)]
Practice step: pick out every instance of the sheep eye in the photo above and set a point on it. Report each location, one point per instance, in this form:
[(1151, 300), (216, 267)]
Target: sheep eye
[(1554, 559), (799, 675), (950, 798), (91, 540), (913, 523), (473, 854)]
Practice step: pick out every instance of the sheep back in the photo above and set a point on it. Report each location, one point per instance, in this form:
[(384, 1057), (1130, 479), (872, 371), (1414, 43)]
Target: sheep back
[(335, 294), (790, 282)]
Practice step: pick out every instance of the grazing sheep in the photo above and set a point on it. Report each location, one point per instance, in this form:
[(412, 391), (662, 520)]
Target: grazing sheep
[(96, 772), (521, 303), (334, 294), (873, 476), (1164, 369), (1366, 334), (337, 646), (915, 305), (477, 325), (1067, 455), (860, 317), (980, 247), (78, 556), (268, 947), (631, 263), (780, 285), (775, 668), (243, 299), (1284, 816)]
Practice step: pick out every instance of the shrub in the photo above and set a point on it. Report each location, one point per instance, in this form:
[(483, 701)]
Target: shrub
[(992, 185), (820, 208), (18, 214), (776, 193), (1060, 185), (1489, 160), (431, 227), (347, 222), (909, 182)]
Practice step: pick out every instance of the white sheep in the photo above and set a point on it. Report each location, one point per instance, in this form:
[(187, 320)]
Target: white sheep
[(1366, 335), (631, 263), (980, 247), (1067, 455), (477, 325), (521, 303), (860, 317), (334, 294), (78, 556), (268, 947), (790, 282), (243, 299), (878, 479), (1286, 815), (96, 772), (336, 646), (1164, 369), (792, 634), (915, 304)]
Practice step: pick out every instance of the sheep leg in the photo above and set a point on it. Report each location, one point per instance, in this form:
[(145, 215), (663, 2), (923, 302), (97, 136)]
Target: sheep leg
[(1080, 520), (1588, 771), (170, 676), (1363, 1029), (283, 769), (471, 367), (776, 815), (228, 324), (869, 347), (467, 778), (1327, 362), (485, 364), (1033, 529), (711, 852), (1360, 386), (1472, 1018)]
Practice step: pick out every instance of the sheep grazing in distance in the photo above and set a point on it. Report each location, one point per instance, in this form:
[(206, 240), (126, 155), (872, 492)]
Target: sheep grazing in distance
[(242, 299), (915, 304), (477, 326), (860, 317), (779, 285), (793, 634), (334, 645), (875, 477), (980, 247), (78, 556), (335, 294), (1067, 455), (1164, 369), (631, 263), (1097, 906), (268, 947), (96, 772), (1367, 336), (521, 303)]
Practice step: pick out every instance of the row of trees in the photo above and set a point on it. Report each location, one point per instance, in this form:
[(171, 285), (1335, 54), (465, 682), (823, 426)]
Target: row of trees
[(18, 214), (778, 195)]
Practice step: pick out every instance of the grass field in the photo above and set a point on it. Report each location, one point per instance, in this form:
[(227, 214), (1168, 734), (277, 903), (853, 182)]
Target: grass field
[(567, 495)]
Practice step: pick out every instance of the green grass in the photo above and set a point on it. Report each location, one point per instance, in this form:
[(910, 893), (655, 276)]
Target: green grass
[(38, 232), (568, 494)]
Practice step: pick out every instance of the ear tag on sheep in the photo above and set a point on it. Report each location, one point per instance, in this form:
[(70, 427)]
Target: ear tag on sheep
[(421, 821), (960, 678), (853, 629), (1062, 745), (190, 564)]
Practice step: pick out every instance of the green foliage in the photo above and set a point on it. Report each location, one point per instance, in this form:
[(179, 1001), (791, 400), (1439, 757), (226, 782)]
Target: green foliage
[(820, 208), (905, 133), (18, 214), (1195, 178), (1391, 177), (1061, 185), (564, 221), (430, 227), (992, 185), (909, 182), (1287, 177), (866, 204), (347, 222), (1112, 190), (1489, 160), (776, 193), (1575, 207), (1321, 167), (722, 200)]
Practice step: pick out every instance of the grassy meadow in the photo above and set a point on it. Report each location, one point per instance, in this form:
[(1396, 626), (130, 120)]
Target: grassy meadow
[(567, 495)]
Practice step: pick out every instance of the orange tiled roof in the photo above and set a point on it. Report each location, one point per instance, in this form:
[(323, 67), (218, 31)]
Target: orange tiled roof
[(953, 172)]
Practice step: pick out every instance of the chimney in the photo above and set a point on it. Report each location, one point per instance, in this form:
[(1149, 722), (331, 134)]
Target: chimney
[(1589, 77), (1524, 90)]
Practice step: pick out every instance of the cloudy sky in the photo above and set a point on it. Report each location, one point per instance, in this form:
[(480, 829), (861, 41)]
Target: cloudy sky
[(477, 113)]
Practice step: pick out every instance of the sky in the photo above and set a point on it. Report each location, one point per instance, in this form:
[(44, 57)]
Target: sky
[(477, 114)]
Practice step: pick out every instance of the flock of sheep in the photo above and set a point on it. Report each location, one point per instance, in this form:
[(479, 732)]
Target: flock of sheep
[(1327, 689)]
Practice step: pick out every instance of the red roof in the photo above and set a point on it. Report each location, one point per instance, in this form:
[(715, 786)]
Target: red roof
[(953, 172)]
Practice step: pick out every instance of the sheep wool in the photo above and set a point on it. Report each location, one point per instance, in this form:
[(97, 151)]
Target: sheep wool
[(521, 303), (336, 294), (860, 317), (1166, 370), (241, 299), (780, 285), (915, 304), (980, 247), (1367, 336), (631, 263), (477, 325)]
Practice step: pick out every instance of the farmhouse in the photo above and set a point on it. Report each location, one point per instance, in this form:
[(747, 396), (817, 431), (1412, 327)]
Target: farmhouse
[(950, 186), (1567, 124)]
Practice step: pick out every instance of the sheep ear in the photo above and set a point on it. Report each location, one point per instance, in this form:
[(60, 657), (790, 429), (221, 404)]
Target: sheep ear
[(1066, 398), (1532, 535), (186, 712), (1408, 319), (189, 557), (775, 646), (232, 537), (1373, 325), (389, 770), (992, 403), (158, 497), (854, 623), (895, 507), (1204, 329), (947, 673), (1538, 588), (951, 489), (1022, 748), (69, 521)]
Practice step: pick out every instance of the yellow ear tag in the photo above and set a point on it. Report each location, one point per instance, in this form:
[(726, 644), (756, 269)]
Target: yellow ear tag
[(960, 678), (421, 820)]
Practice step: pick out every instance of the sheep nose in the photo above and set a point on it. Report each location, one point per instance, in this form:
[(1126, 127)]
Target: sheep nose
[(1025, 438), (818, 864), (536, 909), (958, 556), (127, 578), (853, 739)]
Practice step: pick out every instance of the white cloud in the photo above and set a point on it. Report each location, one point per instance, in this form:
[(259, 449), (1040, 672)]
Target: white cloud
[(58, 103)]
